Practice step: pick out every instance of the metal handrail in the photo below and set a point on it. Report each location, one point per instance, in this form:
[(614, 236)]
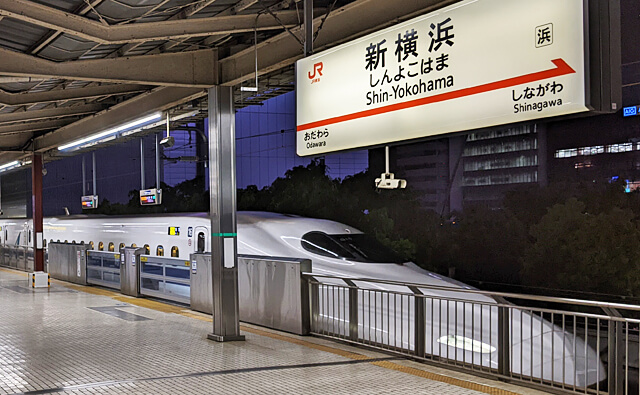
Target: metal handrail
[(412, 322), (538, 298)]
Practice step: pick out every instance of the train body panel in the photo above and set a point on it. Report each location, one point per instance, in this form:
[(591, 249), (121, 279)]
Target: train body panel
[(343, 251)]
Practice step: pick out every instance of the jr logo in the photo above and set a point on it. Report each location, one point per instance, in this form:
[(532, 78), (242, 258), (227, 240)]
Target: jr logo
[(317, 70)]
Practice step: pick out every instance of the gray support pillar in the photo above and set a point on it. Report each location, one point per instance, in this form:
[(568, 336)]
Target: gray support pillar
[(308, 27), (142, 183), (157, 163), (222, 181), (84, 178), (94, 173)]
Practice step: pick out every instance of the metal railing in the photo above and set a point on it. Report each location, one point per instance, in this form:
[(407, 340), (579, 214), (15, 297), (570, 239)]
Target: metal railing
[(165, 278), (103, 268), (569, 349), (17, 257)]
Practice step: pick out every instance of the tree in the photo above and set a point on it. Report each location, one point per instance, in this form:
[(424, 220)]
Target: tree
[(488, 245), (578, 250)]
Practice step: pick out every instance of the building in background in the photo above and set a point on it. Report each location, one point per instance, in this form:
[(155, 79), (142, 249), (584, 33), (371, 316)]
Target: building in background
[(474, 168)]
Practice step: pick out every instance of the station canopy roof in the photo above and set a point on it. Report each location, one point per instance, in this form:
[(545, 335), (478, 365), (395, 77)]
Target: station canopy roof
[(71, 68)]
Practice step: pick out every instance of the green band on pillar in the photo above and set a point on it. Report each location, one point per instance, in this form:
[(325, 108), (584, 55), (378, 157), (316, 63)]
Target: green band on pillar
[(224, 234)]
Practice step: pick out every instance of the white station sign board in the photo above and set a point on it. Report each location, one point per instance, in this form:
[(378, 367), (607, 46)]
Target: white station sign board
[(474, 64)]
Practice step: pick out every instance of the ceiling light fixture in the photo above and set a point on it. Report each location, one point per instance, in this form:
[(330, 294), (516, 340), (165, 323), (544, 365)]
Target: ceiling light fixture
[(110, 133)]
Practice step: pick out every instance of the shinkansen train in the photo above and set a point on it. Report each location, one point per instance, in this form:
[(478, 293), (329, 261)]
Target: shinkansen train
[(336, 249)]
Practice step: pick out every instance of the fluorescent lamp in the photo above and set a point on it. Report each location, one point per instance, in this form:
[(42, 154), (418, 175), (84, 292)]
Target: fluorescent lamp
[(10, 165), (161, 122), (93, 139)]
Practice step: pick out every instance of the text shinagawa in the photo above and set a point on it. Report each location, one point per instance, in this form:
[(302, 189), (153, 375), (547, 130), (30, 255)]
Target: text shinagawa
[(407, 90)]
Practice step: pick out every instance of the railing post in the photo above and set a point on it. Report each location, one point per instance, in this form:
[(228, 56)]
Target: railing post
[(353, 310), (419, 318), (615, 349), (504, 363), (313, 303)]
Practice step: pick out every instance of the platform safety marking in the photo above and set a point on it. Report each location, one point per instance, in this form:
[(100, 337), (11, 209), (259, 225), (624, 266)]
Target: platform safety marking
[(165, 308)]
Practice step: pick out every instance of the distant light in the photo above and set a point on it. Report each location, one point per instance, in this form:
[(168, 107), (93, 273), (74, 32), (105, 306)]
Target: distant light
[(109, 132), (630, 111)]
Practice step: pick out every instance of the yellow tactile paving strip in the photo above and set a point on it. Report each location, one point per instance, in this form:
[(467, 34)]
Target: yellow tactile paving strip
[(167, 308)]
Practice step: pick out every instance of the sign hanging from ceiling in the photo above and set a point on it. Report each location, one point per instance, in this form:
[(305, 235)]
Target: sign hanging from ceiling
[(475, 64)]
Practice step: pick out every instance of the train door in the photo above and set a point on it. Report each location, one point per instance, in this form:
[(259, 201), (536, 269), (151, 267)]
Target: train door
[(5, 234), (201, 241)]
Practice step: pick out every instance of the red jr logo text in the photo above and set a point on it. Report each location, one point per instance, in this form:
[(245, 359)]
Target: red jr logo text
[(317, 70)]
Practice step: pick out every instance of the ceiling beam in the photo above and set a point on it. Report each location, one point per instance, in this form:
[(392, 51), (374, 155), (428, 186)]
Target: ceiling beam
[(238, 7), (344, 24), (13, 142), (9, 80), (88, 29), (183, 14), (159, 99), (52, 35), (32, 126), (192, 9), (92, 92), (188, 69), (49, 113)]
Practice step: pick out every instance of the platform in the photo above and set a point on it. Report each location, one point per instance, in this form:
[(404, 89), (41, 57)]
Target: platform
[(84, 340)]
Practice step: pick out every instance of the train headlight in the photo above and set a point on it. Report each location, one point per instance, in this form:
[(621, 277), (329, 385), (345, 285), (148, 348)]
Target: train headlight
[(464, 343)]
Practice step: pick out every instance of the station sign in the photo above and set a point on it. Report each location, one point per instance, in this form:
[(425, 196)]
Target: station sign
[(474, 64), (150, 197), (89, 202)]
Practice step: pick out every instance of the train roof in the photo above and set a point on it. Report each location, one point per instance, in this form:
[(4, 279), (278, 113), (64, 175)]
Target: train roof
[(256, 214)]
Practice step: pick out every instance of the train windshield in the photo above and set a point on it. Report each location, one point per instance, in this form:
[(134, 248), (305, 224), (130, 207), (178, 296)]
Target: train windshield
[(352, 247)]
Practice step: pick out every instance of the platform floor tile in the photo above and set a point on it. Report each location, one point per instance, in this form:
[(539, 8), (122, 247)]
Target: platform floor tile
[(61, 340)]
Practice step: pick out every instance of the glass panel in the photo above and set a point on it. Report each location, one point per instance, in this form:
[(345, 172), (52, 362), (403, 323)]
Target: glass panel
[(93, 273), (94, 261), (151, 284), (111, 262), (201, 242), (353, 247), (111, 277), (178, 272), (177, 289), (152, 269)]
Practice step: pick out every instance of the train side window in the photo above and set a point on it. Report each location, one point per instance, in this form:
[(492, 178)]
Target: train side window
[(159, 251), (91, 245), (201, 242), (81, 241), (44, 243), (134, 245), (147, 249), (175, 253), (29, 237), (121, 246), (100, 246), (112, 247)]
